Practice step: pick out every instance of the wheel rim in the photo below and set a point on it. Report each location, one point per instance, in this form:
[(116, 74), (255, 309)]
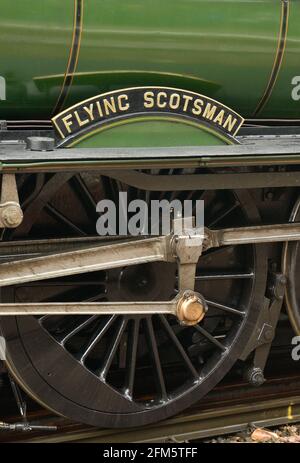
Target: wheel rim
[(125, 371), (290, 267)]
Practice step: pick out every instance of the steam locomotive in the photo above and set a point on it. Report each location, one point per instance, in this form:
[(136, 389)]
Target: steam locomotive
[(162, 100)]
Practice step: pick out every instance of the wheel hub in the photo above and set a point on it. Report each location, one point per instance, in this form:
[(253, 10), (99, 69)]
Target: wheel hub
[(191, 308), (146, 282)]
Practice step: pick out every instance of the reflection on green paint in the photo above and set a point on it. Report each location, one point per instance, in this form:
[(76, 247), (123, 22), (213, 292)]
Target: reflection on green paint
[(222, 48), (35, 37), (150, 134)]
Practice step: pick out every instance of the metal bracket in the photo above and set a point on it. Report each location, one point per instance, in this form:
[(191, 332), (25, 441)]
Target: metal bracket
[(186, 249), (24, 425), (264, 332), (22, 406), (11, 214)]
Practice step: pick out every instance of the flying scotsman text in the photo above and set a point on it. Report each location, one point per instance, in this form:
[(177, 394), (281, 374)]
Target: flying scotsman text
[(142, 102)]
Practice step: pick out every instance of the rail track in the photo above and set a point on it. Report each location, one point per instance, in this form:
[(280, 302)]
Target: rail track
[(196, 425), (229, 408)]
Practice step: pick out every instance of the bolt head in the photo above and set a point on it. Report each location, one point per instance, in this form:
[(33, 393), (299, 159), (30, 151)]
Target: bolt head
[(11, 216), (257, 378)]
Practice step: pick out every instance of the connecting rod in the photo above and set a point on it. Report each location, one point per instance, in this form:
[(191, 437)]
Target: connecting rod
[(185, 248)]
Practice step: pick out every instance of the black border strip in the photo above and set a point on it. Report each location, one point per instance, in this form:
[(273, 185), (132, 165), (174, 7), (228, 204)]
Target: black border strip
[(284, 23), (73, 56)]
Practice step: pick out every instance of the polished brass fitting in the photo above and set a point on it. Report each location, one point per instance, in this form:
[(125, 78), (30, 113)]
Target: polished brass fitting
[(191, 308)]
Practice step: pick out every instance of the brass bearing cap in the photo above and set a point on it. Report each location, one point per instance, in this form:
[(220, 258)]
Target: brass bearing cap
[(191, 308)]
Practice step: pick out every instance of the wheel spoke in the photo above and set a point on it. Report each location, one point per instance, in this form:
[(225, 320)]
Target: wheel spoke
[(110, 189), (78, 328), (153, 349), (96, 338), (51, 210), (224, 214), (43, 318), (112, 351), (84, 194), (210, 338), (95, 298), (131, 358), (224, 276), (35, 206), (179, 346), (226, 308)]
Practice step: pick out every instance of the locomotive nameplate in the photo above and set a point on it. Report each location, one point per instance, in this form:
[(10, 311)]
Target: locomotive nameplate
[(142, 102)]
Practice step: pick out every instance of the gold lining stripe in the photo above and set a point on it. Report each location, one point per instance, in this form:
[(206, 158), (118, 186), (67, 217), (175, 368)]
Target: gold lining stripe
[(281, 46), (73, 56), (130, 71)]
